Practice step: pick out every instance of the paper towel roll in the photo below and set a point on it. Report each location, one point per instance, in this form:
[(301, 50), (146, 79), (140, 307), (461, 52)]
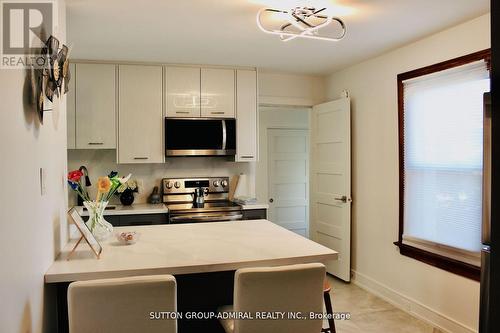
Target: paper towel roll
[(242, 189)]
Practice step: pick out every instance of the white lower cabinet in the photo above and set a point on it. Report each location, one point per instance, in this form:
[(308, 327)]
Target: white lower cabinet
[(246, 116), (140, 117)]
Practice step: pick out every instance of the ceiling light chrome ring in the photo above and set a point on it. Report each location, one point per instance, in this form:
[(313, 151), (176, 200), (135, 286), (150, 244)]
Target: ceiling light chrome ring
[(298, 19)]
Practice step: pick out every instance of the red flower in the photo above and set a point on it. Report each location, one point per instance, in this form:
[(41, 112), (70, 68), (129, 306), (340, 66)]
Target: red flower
[(75, 176)]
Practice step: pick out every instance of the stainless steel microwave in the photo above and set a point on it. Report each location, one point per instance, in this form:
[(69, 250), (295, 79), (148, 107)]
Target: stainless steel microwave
[(200, 137)]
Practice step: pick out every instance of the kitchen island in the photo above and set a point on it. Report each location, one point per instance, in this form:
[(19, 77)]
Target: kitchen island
[(202, 256)]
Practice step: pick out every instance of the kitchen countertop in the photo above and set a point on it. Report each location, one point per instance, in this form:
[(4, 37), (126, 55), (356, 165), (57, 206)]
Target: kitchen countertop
[(129, 210), (152, 209), (255, 206), (189, 248)]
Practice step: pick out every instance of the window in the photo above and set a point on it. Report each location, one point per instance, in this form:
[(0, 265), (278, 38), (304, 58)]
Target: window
[(441, 151)]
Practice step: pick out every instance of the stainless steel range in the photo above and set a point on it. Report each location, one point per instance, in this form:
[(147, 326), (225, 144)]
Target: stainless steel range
[(191, 200)]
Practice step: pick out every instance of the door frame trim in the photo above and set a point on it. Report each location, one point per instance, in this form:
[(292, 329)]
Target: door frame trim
[(267, 120)]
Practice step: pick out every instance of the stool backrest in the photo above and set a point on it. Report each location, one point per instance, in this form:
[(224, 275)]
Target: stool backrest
[(122, 305), (287, 289)]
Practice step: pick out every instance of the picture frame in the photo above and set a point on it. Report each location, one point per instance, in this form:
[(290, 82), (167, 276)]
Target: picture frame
[(85, 232)]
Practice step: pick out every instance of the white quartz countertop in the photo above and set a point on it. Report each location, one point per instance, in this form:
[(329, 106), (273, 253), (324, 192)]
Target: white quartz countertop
[(189, 248), (255, 206), (151, 209), (129, 210)]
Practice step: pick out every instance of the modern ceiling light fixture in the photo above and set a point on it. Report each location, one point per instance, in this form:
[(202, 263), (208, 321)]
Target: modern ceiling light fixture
[(303, 22)]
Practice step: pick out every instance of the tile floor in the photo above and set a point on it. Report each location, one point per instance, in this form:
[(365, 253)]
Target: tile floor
[(371, 314)]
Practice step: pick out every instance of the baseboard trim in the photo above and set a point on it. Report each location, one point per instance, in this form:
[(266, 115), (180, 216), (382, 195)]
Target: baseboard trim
[(414, 308)]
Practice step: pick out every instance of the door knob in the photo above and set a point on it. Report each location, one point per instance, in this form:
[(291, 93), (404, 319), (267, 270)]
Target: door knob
[(342, 198), (271, 200)]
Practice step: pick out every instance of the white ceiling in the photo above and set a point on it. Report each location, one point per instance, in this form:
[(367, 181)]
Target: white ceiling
[(224, 32)]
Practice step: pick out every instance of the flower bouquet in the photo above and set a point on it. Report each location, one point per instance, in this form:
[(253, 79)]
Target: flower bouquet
[(106, 187), (126, 191)]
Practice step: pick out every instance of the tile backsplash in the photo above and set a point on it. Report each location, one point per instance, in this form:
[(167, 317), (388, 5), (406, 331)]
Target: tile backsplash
[(101, 162)]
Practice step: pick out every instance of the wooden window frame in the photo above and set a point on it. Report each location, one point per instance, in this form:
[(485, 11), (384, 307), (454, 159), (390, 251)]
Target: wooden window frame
[(451, 265)]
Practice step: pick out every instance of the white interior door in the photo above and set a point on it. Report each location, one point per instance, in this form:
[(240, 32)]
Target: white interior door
[(288, 169), (331, 182)]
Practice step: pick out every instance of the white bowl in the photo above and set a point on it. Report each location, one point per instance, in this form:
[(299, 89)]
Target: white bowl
[(127, 237)]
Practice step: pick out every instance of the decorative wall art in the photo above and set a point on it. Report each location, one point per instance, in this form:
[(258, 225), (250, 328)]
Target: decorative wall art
[(50, 80)]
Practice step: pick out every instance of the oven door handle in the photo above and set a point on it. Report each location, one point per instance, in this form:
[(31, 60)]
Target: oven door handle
[(206, 218)]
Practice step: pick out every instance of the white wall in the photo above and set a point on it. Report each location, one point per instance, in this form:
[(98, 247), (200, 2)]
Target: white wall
[(420, 288), (276, 88), (33, 226)]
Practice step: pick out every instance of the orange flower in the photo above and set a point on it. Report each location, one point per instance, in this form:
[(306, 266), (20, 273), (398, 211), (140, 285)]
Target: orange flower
[(103, 184)]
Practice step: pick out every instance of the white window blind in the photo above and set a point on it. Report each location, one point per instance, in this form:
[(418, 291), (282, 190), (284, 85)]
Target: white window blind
[(443, 144)]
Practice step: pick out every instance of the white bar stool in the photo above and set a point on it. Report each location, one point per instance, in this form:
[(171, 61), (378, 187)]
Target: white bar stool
[(288, 289), (122, 305)]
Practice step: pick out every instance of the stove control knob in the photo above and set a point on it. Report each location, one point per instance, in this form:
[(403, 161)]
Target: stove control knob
[(169, 185), (223, 183), (177, 184), (216, 183)]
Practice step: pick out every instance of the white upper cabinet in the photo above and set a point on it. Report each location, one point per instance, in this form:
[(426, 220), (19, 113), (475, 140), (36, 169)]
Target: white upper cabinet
[(217, 93), (246, 116), (112, 106), (95, 106), (140, 118), (70, 109), (183, 91)]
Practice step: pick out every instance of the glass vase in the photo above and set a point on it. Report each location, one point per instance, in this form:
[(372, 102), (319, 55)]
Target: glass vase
[(98, 226)]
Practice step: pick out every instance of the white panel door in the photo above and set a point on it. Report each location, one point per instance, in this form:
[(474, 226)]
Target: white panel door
[(217, 93), (140, 117), (183, 91), (288, 169), (70, 109), (95, 106), (246, 116), (331, 182)]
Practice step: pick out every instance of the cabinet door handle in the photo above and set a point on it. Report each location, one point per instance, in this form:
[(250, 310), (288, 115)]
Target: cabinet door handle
[(246, 156), (95, 143), (217, 112), (182, 112), (141, 158)]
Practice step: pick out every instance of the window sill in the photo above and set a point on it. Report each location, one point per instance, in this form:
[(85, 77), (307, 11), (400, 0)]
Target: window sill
[(436, 260)]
